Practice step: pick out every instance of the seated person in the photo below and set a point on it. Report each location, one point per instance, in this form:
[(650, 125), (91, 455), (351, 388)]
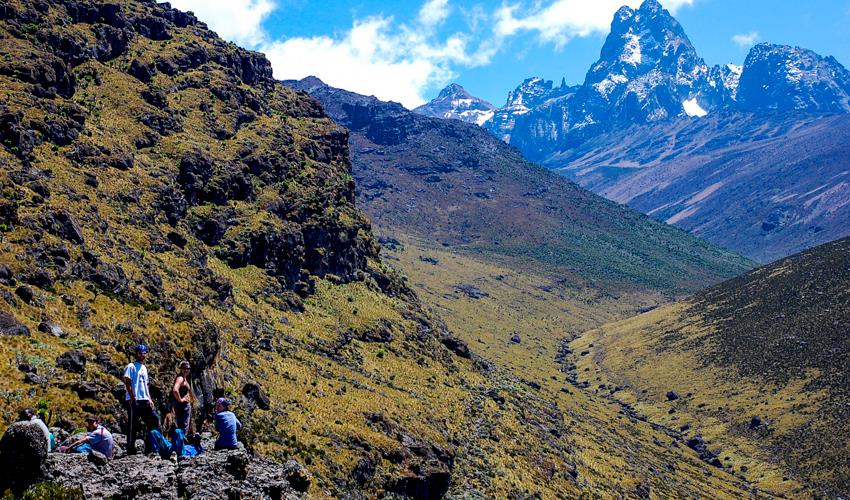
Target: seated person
[(98, 439), (226, 424), (29, 415)]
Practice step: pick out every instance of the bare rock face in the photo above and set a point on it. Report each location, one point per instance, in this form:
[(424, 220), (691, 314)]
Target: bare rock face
[(216, 474), (135, 476)]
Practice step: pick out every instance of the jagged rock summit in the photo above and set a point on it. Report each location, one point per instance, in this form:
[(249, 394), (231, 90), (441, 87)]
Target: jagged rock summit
[(782, 78), (455, 102)]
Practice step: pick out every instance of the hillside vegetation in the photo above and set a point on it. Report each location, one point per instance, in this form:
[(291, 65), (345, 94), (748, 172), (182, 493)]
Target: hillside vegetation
[(758, 367)]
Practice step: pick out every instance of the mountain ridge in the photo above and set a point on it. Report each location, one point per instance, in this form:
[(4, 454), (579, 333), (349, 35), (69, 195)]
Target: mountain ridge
[(403, 159)]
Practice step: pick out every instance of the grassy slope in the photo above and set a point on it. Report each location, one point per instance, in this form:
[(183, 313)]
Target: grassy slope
[(614, 454), (322, 381), (771, 344)]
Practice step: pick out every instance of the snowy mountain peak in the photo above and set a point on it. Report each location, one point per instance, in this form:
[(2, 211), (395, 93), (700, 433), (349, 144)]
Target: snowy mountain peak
[(454, 102)]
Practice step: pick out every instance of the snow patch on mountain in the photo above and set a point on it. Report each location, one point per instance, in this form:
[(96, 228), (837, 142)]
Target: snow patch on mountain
[(692, 108), (631, 52)]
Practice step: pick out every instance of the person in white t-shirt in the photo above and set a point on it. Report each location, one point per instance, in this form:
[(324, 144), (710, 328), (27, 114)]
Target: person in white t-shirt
[(98, 439), (138, 403)]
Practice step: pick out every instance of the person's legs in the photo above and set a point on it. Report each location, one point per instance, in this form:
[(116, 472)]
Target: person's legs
[(151, 417), (145, 414), (158, 444), (132, 427), (178, 442)]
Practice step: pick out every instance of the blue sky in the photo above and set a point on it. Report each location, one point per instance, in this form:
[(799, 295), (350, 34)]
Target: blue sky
[(408, 50)]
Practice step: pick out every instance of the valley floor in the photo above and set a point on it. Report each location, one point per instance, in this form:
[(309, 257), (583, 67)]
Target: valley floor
[(521, 319)]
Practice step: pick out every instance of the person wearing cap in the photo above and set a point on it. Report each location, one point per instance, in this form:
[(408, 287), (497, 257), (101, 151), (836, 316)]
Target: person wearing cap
[(138, 403), (226, 424), (98, 439)]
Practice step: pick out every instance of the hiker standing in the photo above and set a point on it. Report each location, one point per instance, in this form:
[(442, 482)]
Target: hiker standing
[(182, 398), (139, 405)]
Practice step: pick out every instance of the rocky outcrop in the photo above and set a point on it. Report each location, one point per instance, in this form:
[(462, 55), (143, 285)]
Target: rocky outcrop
[(216, 474), (430, 465), (779, 78)]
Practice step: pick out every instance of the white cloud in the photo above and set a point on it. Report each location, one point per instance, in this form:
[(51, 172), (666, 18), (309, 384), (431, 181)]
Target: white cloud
[(239, 21), (434, 12), (562, 20), (746, 40), (377, 57)]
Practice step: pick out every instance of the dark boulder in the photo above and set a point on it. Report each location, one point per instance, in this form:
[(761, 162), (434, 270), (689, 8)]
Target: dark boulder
[(255, 395), (23, 450), (515, 338), (173, 204), (87, 390), (14, 135), (697, 444), (278, 250), (63, 225), (72, 361), (26, 294), (672, 396), (472, 292), (110, 278), (429, 467), (11, 327), (142, 71), (379, 332), (152, 27), (162, 122), (457, 346), (297, 476), (211, 229), (176, 239), (40, 278)]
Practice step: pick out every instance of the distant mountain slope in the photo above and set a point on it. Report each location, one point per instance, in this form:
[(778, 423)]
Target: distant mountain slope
[(758, 364), (765, 188), (454, 183)]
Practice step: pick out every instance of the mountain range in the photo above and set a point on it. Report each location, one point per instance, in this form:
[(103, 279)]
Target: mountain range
[(456, 185), (398, 306), (652, 121)]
